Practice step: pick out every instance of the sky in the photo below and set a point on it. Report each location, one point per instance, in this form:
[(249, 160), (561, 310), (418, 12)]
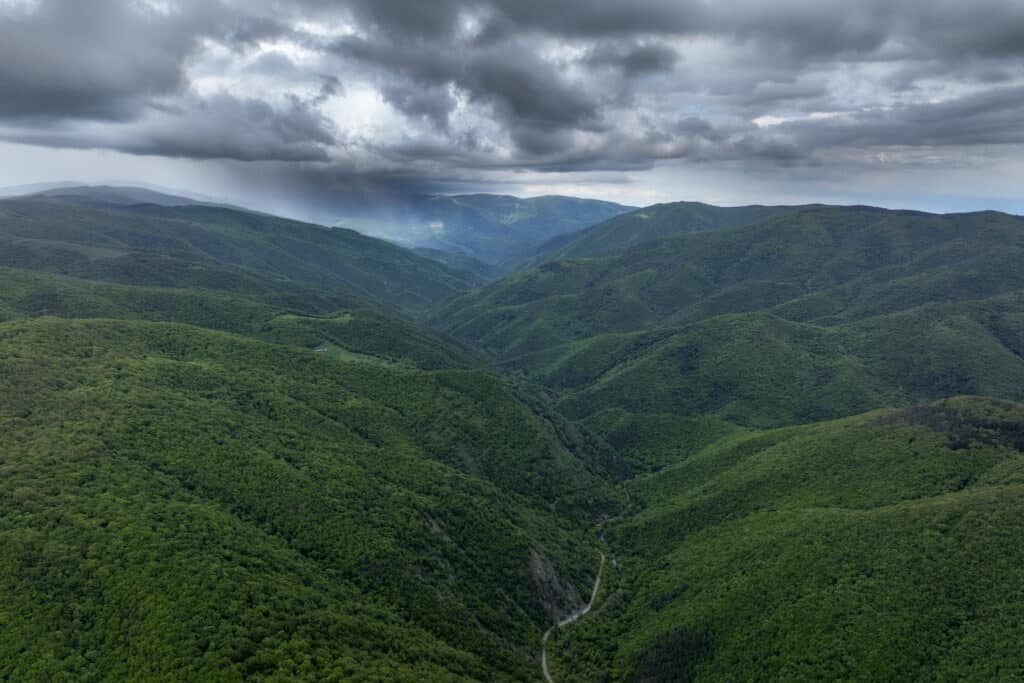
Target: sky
[(303, 107)]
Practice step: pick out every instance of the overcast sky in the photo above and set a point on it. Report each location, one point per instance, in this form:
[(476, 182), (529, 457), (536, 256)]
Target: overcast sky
[(293, 106)]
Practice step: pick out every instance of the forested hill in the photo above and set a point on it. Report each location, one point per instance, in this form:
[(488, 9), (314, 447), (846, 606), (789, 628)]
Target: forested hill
[(884, 546), (233, 450), (647, 224), (182, 503), (824, 265), (221, 462), (776, 531), (216, 248)]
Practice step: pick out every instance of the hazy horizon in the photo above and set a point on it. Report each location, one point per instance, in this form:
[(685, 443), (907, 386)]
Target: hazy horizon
[(301, 108)]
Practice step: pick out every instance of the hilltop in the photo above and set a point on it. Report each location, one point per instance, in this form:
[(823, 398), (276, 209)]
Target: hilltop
[(213, 247)]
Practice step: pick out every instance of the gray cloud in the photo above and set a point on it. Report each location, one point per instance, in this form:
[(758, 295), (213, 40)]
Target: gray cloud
[(433, 103), (514, 85), (226, 127), (520, 87), (58, 61), (635, 59), (217, 127), (103, 59)]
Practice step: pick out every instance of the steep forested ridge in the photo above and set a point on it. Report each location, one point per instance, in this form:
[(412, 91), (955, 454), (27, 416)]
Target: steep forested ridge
[(645, 225), (221, 461), (874, 547), (210, 247), (883, 546)]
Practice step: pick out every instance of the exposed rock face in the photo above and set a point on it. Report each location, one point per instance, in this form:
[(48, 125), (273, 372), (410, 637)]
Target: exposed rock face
[(558, 596)]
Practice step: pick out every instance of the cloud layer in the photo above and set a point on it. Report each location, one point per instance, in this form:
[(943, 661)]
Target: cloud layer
[(461, 89)]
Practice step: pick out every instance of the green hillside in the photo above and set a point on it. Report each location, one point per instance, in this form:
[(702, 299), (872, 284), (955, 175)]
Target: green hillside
[(648, 224), (459, 261), (231, 453), (334, 323), (114, 195), (879, 547), (217, 467), (821, 265), (817, 315), (188, 503), (757, 370), (217, 248)]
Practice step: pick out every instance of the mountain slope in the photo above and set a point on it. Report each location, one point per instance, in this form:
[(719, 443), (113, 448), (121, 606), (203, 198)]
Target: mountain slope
[(119, 195), (337, 325), (823, 313), (879, 547), (648, 224), (822, 265), (222, 458), (282, 481), (187, 503), (765, 371), (217, 248)]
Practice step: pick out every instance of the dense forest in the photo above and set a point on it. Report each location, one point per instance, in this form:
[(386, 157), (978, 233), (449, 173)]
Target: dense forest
[(238, 447)]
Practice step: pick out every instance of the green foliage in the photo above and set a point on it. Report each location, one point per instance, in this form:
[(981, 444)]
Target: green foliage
[(460, 262), (359, 332), (188, 503), (221, 460), (761, 371), (648, 224), (821, 265), (812, 314), (879, 547), (217, 248)]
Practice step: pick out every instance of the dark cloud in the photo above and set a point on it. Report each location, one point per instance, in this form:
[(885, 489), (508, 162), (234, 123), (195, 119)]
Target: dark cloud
[(636, 59), (769, 92), (519, 86), (979, 119), (248, 129), (575, 85), (433, 103), (60, 60), (218, 127)]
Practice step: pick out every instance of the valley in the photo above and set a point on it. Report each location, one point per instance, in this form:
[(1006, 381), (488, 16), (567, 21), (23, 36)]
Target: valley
[(682, 442)]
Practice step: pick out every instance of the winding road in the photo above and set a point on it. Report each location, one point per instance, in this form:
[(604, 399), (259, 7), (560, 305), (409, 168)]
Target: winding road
[(568, 620)]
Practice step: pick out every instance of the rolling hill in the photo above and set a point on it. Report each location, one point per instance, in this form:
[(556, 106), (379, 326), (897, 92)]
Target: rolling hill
[(223, 457), (230, 451), (878, 547), (182, 502), (820, 265), (648, 224), (337, 325), (218, 248), (815, 315), (121, 195)]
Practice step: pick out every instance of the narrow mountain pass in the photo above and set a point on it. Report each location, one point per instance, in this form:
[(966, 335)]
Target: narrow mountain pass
[(568, 620)]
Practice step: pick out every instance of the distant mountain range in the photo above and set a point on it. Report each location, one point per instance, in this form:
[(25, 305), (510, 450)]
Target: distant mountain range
[(139, 237), (646, 224), (112, 195), (485, 233), (495, 229)]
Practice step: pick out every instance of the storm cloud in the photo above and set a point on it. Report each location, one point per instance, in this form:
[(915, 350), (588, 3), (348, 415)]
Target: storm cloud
[(489, 90)]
